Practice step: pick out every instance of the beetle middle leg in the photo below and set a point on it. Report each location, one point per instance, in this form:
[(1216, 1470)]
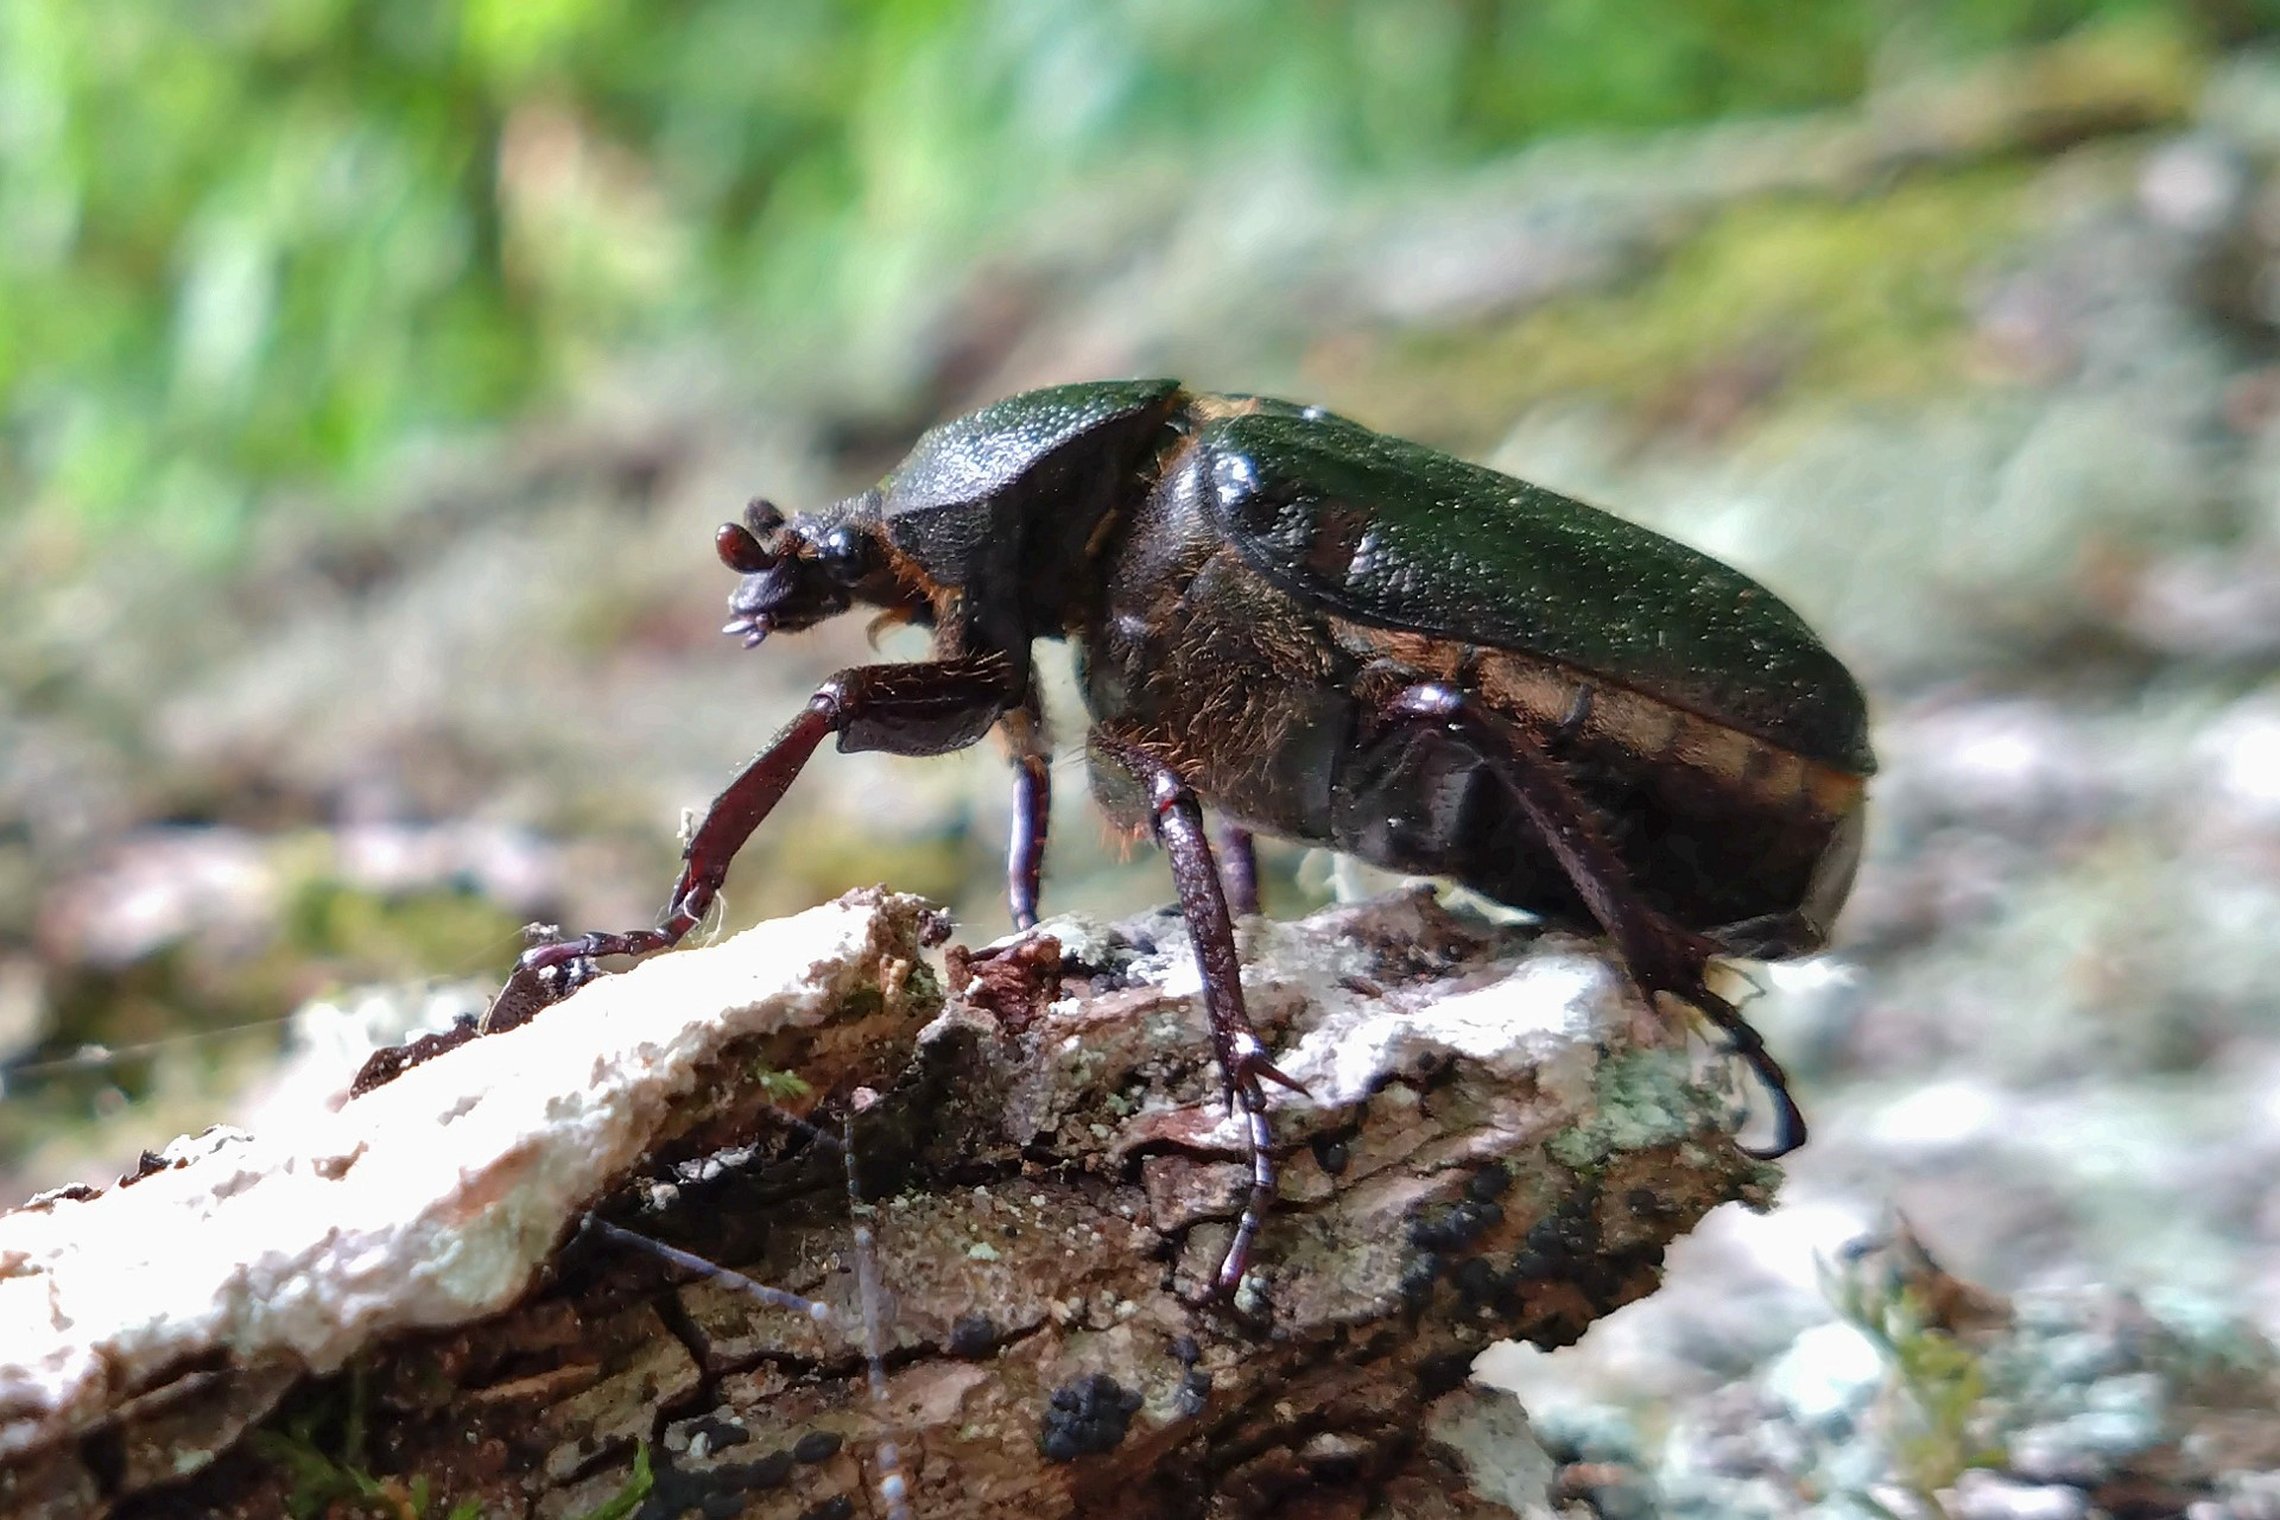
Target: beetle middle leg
[(1244, 1066), (1239, 869), (1662, 956), (924, 708), (1024, 729)]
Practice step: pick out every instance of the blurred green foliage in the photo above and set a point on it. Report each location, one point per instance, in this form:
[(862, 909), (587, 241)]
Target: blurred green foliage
[(1826, 300), (252, 241)]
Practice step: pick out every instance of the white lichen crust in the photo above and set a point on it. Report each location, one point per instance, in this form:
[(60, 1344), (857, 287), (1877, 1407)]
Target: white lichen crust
[(430, 1201)]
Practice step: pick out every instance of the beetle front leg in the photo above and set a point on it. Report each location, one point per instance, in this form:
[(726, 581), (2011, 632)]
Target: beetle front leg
[(1662, 956), (1244, 1065), (924, 708)]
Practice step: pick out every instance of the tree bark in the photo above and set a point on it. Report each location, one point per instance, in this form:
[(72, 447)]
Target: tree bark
[(1497, 1141)]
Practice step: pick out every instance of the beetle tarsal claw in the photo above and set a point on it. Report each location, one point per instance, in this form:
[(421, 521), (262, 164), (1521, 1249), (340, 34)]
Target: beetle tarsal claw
[(750, 629), (1789, 1129), (1263, 1070)]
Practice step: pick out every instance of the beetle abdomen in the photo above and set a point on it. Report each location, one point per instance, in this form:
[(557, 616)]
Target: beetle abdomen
[(1718, 824), (1577, 715)]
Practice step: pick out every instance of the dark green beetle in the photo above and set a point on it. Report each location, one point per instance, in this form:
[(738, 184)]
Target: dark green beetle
[(1333, 636)]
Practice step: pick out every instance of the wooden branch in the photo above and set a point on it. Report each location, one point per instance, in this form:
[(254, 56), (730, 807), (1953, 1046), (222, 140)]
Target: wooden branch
[(1498, 1141)]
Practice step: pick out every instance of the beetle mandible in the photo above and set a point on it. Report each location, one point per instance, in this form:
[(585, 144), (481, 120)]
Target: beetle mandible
[(1328, 635)]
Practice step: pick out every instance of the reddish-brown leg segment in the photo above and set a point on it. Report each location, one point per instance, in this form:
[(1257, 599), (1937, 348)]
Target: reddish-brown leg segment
[(927, 708), (1662, 956), (1243, 1062)]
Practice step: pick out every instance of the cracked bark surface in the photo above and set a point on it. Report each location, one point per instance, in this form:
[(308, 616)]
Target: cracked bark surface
[(1498, 1141)]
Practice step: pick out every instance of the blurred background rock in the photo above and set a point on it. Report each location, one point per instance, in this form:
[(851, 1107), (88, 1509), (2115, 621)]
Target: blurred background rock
[(372, 373)]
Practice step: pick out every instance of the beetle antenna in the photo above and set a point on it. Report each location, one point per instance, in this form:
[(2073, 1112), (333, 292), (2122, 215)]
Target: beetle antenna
[(761, 517), (740, 549), (743, 546)]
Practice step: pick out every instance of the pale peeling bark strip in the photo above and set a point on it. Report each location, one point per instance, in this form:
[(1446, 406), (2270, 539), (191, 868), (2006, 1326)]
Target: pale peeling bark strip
[(429, 1202)]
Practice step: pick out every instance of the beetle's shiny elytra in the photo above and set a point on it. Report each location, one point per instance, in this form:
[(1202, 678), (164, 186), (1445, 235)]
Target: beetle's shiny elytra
[(1327, 635)]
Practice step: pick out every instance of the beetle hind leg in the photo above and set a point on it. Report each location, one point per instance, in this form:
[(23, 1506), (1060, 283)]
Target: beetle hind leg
[(1662, 956)]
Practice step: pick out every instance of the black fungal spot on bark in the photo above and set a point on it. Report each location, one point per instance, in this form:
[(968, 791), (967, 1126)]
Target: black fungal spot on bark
[(1478, 1281), (817, 1446), (771, 1471), (717, 1492), (1085, 1417), (972, 1336), (718, 1434), (1418, 1275), (1444, 1374), (1451, 1227)]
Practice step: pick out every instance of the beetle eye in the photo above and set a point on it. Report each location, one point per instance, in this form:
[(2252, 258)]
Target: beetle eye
[(845, 553)]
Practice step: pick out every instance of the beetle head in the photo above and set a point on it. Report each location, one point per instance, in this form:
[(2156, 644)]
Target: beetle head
[(797, 572)]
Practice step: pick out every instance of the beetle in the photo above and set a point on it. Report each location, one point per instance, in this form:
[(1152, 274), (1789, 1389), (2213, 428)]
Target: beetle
[(1330, 635)]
